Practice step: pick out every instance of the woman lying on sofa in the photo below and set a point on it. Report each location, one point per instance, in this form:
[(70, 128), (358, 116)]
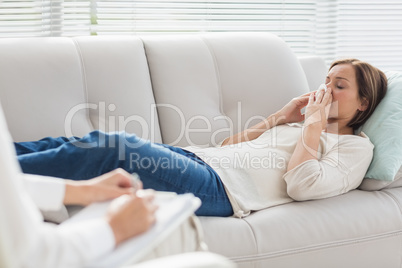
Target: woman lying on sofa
[(274, 162)]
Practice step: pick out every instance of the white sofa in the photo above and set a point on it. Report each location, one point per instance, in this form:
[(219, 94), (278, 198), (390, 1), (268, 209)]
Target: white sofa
[(199, 89)]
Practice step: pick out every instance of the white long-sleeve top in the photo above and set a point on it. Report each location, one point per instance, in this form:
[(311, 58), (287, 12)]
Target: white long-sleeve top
[(254, 172), (27, 241)]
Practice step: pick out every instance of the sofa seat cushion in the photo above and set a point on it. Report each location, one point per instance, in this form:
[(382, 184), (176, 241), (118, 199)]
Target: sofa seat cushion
[(337, 223)]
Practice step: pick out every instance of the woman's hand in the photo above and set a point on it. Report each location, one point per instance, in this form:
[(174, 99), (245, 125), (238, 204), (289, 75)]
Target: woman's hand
[(131, 215), (317, 109), (316, 116), (105, 187), (291, 112)]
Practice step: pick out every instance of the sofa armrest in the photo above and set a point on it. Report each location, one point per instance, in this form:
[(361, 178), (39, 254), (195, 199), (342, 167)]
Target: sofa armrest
[(315, 70)]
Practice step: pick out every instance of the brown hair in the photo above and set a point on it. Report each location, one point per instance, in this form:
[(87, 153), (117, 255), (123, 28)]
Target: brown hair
[(372, 85)]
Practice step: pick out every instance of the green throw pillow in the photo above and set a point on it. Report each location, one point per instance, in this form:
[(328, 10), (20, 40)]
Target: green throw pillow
[(384, 128)]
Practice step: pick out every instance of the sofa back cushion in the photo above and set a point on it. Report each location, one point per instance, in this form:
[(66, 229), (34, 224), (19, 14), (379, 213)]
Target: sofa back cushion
[(186, 89), (258, 75), (40, 84), (118, 85), (211, 86)]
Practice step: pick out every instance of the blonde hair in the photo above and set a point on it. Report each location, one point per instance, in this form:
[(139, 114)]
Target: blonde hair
[(372, 85)]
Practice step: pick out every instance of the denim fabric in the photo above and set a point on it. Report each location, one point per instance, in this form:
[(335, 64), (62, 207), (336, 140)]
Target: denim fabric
[(160, 166)]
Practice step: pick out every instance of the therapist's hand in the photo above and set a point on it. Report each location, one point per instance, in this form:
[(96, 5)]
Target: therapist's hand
[(131, 215), (108, 186)]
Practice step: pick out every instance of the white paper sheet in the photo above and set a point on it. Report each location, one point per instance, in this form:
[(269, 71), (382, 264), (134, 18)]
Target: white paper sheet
[(172, 211)]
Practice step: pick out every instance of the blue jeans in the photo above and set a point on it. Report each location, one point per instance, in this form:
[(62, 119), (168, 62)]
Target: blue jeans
[(160, 166)]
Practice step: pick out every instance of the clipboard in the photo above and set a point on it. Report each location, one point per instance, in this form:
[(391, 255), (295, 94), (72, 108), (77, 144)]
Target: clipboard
[(173, 210)]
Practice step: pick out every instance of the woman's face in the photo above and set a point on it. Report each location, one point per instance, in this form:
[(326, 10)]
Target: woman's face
[(345, 92)]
